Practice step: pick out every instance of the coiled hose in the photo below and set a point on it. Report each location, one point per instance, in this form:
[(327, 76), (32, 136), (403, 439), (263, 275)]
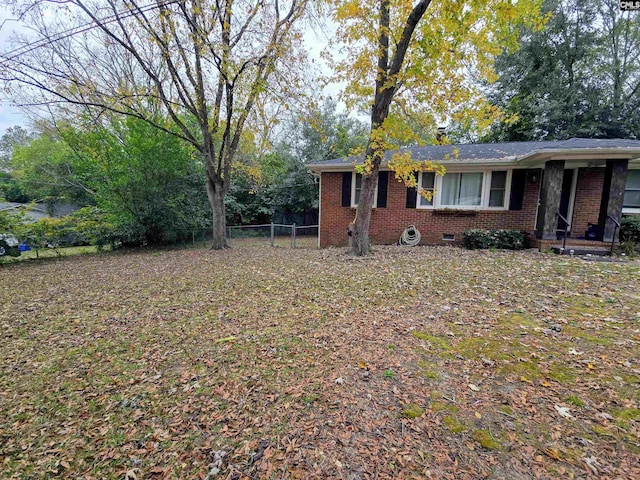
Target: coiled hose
[(410, 237)]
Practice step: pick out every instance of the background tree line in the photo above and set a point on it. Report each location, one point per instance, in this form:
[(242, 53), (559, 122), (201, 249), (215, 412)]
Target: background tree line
[(577, 77), (146, 185)]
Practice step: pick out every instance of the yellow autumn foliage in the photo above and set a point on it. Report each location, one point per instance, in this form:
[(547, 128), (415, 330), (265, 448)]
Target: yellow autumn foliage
[(451, 54)]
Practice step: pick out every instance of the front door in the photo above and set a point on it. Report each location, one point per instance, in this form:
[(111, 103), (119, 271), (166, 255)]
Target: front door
[(566, 201)]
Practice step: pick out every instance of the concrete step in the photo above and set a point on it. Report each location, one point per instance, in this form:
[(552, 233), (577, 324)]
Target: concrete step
[(579, 250)]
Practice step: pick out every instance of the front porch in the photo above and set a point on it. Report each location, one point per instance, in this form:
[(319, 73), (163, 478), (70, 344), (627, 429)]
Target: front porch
[(579, 246), (583, 200)]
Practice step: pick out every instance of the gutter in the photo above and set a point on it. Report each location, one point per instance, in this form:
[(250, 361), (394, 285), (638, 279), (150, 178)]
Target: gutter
[(533, 159), (597, 154), (464, 165)]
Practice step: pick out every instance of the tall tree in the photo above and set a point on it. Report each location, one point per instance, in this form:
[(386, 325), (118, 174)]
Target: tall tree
[(147, 182), (201, 64), (277, 184), (45, 170), (412, 63), (13, 137), (578, 77)]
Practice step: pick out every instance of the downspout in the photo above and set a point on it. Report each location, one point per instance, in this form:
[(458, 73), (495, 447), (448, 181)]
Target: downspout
[(319, 176)]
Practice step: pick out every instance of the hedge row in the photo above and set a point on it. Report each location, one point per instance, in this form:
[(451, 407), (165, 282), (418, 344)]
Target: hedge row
[(630, 229), (477, 239)]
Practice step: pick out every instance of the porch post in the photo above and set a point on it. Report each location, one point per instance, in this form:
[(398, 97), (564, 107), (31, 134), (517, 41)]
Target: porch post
[(550, 200), (615, 180)]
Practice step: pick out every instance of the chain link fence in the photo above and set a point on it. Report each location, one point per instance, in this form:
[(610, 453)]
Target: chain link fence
[(274, 235)]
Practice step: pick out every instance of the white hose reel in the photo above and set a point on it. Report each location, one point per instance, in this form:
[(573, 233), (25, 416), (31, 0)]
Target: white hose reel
[(410, 237)]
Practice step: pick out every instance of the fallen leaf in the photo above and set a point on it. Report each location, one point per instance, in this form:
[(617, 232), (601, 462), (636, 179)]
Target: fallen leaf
[(474, 387), (226, 340), (563, 411), (552, 452), (131, 475)]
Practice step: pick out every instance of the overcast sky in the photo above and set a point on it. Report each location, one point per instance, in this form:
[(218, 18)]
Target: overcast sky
[(9, 114)]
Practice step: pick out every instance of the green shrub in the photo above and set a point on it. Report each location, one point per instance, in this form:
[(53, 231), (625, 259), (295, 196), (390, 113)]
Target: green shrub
[(509, 239), (87, 226), (477, 239), (630, 229)]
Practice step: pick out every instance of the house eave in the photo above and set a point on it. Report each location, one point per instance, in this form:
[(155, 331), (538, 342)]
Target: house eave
[(594, 156), (453, 165), (591, 157)]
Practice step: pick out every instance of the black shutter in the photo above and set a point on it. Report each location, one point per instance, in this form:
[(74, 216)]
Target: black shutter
[(383, 186), (346, 189), (518, 178), (412, 195)]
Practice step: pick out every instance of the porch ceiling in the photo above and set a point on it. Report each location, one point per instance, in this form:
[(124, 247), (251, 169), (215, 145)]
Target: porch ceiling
[(592, 157)]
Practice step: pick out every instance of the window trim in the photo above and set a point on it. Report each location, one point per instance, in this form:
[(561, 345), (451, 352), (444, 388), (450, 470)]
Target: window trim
[(631, 210), (435, 190), (353, 191), (484, 195)]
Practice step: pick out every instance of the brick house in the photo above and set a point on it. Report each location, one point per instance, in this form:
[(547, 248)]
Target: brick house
[(516, 185)]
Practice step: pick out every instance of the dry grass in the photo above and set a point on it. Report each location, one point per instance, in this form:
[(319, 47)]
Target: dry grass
[(305, 364)]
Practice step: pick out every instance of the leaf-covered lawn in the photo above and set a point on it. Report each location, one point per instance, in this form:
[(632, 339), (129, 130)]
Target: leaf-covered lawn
[(276, 363)]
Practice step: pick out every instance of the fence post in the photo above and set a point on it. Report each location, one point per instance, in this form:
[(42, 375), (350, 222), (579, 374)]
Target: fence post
[(293, 236), (273, 230)]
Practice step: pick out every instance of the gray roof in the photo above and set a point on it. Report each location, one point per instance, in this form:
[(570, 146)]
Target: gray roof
[(507, 151), (37, 211)]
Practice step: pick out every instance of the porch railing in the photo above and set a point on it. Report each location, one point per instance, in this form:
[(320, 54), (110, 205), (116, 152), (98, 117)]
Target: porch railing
[(566, 226), (615, 231)]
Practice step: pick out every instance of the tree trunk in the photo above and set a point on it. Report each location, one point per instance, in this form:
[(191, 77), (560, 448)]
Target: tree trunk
[(358, 230), (216, 194), (386, 85)]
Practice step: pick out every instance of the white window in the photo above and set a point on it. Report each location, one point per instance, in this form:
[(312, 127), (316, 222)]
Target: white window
[(631, 200), (497, 188), (428, 184), (461, 189), (356, 188), (466, 190)]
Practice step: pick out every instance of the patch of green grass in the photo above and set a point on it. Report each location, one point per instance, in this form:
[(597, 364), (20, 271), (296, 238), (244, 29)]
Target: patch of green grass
[(529, 369), (438, 406), (486, 440), (427, 370), (574, 400), (54, 253), (389, 374), (310, 398), (602, 337), (562, 373), (412, 410), (506, 409), (519, 317), (602, 431), (437, 343), (630, 414), (453, 425)]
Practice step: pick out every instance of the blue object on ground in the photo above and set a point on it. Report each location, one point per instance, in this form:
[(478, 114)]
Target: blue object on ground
[(23, 247)]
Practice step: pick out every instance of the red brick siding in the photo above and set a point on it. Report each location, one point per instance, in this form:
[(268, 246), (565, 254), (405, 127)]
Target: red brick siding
[(388, 223), (586, 208)]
